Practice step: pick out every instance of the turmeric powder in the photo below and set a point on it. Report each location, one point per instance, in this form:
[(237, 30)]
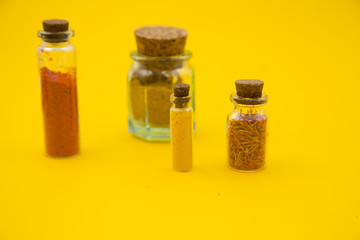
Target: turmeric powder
[(181, 124)]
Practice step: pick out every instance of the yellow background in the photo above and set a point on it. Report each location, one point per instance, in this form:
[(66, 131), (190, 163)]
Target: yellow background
[(308, 54)]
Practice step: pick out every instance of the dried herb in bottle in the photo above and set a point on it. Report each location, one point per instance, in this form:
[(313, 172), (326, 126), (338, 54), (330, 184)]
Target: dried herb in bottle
[(247, 127)]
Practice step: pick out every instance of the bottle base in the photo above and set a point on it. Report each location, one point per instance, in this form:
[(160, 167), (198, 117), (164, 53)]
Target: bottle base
[(63, 157), (182, 171), (148, 133), (246, 171)]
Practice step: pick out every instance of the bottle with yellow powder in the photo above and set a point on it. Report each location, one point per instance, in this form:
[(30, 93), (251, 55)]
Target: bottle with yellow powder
[(181, 125)]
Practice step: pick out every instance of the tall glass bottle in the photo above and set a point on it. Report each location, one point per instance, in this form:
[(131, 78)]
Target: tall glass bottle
[(181, 125), (58, 88), (247, 127), (158, 65)]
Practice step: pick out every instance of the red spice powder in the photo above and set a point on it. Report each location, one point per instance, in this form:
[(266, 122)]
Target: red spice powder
[(59, 100)]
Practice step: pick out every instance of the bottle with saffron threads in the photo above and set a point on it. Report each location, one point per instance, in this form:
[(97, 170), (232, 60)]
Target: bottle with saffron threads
[(58, 88), (181, 125), (247, 127)]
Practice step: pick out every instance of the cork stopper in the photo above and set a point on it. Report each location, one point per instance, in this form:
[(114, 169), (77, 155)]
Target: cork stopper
[(181, 96), (181, 90), (249, 88), (55, 25), (160, 41)]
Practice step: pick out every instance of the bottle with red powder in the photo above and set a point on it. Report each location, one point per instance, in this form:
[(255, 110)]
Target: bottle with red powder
[(58, 88)]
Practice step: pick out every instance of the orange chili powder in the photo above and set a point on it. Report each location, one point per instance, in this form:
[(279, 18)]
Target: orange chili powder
[(59, 101)]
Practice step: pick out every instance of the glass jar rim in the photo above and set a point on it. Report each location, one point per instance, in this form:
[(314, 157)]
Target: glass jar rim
[(180, 102), (248, 101), (173, 98), (182, 57), (56, 36)]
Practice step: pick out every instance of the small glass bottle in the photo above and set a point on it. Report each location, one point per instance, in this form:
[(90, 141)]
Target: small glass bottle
[(247, 127), (58, 88), (158, 65), (181, 124)]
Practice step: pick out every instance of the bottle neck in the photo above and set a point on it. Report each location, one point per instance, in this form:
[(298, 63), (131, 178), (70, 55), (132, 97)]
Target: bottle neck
[(56, 37), (249, 109), (181, 105), (248, 105), (161, 63), (180, 102), (56, 45)]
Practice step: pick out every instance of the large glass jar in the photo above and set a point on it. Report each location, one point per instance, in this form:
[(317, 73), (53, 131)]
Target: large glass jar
[(150, 84), (247, 134)]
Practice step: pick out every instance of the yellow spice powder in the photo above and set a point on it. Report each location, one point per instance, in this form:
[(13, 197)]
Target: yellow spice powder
[(181, 120)]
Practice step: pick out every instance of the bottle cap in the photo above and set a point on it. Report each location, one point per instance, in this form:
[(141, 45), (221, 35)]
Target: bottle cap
[(249, 88), (160, 41), (56, 31), (55, 25), (181, 96), (181, 90)]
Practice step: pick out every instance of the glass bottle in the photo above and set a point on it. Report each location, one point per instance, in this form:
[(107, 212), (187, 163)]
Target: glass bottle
[(247, 130), (58, 89), (181, 125), (151, 78)]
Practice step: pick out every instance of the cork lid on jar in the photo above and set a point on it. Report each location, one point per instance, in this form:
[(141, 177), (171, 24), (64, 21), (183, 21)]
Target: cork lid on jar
[(249, 92), (160, 41), (249, 88), (55, 25), (181, 90), (55, 31)]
